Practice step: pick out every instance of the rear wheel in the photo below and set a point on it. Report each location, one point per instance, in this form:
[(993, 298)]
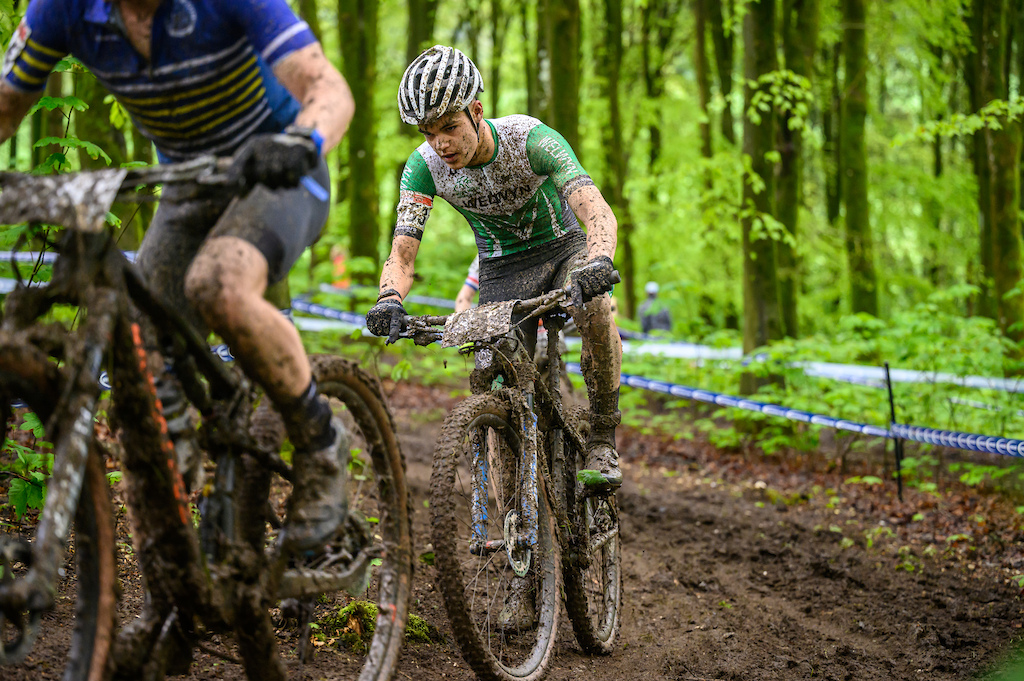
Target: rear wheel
[(502, 603), (379, 517), (591, 558), (378, 501), (28, 379)]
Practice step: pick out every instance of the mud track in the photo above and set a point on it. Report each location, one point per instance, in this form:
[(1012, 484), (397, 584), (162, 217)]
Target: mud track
[(724, 580)]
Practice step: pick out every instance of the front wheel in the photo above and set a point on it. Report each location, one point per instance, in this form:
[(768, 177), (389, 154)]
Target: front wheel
[(591, 557), (26, 375), (500, 586)]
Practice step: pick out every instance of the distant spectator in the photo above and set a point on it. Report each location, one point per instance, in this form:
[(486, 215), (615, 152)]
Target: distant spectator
[(654, 316), (467, 293)]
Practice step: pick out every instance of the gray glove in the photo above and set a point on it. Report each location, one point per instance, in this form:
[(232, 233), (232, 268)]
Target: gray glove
[(596, 277), (386, 318), (276, 160)]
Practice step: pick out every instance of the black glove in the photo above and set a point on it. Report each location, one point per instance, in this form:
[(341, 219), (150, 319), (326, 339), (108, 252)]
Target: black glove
[(276, 159), (386, 318), (596, 277)]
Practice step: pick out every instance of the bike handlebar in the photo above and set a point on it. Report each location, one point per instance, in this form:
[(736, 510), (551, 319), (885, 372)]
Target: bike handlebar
[(426, 329)]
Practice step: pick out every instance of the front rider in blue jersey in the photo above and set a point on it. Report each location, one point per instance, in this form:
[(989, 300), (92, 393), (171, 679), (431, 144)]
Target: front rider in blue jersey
[(223, 77)]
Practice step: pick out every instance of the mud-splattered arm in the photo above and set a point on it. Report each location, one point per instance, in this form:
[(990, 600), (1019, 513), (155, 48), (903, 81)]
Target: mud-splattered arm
[(400, 265), (597, 217), (321, 91)]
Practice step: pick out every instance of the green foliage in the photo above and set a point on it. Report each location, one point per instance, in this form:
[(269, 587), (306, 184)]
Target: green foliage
[(27, 469), (784, 92)]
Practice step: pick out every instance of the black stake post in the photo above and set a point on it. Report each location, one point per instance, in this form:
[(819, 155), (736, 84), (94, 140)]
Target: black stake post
[(897, 442)]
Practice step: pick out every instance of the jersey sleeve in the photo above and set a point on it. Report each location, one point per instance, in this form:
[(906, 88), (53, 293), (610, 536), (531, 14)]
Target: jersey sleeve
[(271, 26), (415, 197), (38, 43), (550, 154)]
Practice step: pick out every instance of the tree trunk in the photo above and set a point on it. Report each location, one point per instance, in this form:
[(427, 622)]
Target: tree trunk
[(700, 64), (799, 42), (831, 121), (308, 11), (499, 29), (357, 27), (616, 156), (531, 59), (762, 322), (658, 23), (723, 62), (997, 165), (563, 39), (859, 245)]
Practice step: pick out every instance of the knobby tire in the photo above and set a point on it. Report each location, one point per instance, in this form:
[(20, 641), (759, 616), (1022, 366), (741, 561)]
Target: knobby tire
[(476, 632), (27, 374), (343, 380), (592, 579)]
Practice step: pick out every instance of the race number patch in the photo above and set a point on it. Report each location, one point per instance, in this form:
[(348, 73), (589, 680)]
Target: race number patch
[(16, 47)]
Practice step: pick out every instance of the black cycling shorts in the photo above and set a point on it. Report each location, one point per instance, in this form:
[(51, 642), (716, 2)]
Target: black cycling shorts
[(532, 272), (280, 223)]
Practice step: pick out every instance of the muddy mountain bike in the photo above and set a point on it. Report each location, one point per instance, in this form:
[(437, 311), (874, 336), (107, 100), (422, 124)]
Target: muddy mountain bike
[(512, 528), (209, 569)]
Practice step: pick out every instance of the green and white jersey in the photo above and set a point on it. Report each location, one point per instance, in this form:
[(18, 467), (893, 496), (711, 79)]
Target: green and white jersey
[(514, 202)]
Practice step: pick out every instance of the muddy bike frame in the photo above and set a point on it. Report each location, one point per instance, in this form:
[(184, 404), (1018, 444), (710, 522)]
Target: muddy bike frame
[(222, 575)]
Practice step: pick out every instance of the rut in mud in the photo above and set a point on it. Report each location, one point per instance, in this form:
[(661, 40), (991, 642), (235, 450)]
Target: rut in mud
[(727, 577)]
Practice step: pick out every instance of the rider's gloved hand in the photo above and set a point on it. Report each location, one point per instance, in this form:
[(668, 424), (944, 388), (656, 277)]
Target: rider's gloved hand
[(278, 159), (596, 277), (387, 317)]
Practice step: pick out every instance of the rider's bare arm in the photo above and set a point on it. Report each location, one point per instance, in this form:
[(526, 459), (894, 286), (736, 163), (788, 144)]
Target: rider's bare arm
[(400, 265), (596, 215), (14, 104), (322, 92)]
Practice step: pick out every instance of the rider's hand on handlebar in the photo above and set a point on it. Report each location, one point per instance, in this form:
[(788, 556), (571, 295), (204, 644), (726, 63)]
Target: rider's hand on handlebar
[(276, 160), (596, 277), (386, 318)]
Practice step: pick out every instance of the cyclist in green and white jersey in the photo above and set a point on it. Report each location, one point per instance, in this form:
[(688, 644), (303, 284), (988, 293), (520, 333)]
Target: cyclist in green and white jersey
[(521, 188)]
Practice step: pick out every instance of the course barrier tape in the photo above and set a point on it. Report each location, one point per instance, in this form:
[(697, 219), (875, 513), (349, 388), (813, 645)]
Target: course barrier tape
[(898, 431), (650, 345)]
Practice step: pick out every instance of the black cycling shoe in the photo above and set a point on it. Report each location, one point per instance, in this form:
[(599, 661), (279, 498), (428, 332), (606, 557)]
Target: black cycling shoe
[(319, 501)]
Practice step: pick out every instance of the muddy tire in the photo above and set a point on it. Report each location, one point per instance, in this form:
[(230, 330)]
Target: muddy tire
[(591, 558), (27, 375), (477, 588), (377, 489)]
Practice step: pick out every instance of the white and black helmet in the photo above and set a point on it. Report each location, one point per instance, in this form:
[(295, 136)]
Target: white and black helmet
[(441, 80)]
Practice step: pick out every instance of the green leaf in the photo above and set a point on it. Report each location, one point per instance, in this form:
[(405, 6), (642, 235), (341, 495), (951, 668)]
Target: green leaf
[(113, 219), (33, 423), (17, 496), (51, 103), (91, 149)]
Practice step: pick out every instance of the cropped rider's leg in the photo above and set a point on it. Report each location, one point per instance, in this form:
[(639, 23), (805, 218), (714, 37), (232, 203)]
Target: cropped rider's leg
[(601, 365), (171, 242), (255, 243)]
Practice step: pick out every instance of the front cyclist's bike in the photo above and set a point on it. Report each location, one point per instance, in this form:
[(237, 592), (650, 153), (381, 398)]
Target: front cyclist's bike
[(512, 528)]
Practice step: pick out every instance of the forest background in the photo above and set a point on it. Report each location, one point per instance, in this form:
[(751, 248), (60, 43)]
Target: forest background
[(815, 180)]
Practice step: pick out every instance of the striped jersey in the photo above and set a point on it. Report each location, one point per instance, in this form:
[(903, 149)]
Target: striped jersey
[(514, 202), (209, 84)]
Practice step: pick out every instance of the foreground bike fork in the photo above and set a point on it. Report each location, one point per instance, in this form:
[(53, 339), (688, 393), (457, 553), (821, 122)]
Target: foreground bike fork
[(73, 419)]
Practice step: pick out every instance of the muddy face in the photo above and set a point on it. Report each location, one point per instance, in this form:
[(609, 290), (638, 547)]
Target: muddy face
[(458, 138)]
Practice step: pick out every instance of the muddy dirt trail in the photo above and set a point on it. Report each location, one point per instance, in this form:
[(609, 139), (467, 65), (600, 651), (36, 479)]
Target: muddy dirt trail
[(724, 580)]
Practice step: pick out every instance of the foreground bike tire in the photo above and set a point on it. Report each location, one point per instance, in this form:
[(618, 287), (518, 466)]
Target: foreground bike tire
[(386, 495), (476, 588), (591, 558), (27, 375)]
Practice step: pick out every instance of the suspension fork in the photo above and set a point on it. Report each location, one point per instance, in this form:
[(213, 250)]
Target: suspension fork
[(72, 420)]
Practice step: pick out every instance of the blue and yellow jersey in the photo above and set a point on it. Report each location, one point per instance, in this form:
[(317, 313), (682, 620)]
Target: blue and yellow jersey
[(209, 84)]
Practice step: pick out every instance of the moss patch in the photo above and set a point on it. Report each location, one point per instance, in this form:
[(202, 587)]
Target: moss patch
[(352, 626)]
